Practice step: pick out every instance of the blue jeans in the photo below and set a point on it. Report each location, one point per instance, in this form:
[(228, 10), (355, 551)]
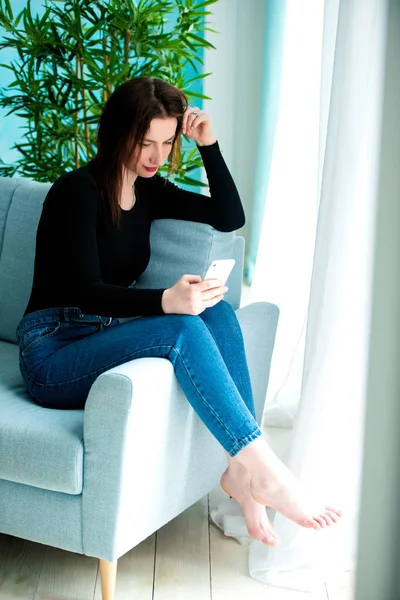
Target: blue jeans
[(63, 351)]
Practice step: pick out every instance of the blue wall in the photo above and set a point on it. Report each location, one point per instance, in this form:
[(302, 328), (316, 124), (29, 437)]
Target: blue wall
[(10, 131)]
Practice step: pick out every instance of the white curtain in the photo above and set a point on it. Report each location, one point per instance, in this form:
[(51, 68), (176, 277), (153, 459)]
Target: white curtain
[(315, 262), (284, 264)]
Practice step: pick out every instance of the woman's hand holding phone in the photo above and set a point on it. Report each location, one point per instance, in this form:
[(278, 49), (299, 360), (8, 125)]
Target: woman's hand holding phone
[(191, 295)]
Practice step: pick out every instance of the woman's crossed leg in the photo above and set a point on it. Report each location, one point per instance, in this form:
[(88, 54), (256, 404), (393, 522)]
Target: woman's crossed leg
[(212, 374)]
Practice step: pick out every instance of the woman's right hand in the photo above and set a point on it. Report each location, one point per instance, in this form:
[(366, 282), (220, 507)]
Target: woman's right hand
[(191, 296)]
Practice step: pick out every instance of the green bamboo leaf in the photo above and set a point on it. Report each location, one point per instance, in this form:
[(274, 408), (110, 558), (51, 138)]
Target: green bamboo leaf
[(192, 94), (9, 10), (18, 18), (194, 152), (189, 181), (89, 33), (4, 66), (193, 167), (211, 30), (205, 3), (96, 18), (200, 14), (189, 44), (13, 84), (188, 81), (195, 67), (200, 41), (28, 14)]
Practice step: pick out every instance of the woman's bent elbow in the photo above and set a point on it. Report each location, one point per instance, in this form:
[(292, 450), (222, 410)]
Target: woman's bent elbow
[(227, 225)]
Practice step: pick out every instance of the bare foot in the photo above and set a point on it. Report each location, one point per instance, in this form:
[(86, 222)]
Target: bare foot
[(274, 485), (236, 483)]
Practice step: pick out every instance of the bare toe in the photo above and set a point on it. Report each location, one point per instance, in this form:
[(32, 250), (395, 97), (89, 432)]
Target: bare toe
[(270, 537), (263, 534), (321, 523), (328, 521), (309, 522), (271, 540), (335, 518), (337, 511)]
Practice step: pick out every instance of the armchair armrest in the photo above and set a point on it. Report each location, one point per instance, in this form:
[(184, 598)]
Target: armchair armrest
[(124, 454)]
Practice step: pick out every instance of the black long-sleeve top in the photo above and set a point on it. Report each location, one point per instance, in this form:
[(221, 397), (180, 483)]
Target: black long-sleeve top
[(82, 260)]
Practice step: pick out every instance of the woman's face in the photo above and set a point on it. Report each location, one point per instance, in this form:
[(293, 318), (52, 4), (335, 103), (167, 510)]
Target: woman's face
[(156, 146)]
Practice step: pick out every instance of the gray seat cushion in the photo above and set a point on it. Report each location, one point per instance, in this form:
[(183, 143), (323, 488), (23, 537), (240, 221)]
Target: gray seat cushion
[(38, 446)]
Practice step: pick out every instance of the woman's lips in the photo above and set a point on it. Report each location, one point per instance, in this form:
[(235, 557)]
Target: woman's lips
[(151, 169)]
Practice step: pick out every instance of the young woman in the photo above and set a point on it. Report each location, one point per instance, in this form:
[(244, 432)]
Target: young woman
[(93, 242)]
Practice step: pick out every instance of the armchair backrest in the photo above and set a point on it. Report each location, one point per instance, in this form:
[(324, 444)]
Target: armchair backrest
[(179, 247)]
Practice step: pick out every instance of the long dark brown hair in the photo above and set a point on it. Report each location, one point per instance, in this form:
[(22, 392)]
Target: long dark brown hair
[(124, 121)]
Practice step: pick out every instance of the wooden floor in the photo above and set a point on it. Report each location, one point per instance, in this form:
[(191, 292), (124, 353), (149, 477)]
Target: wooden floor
[(188, 559)]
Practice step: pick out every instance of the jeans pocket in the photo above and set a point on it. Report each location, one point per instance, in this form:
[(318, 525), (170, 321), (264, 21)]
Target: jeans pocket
[(33, 336)]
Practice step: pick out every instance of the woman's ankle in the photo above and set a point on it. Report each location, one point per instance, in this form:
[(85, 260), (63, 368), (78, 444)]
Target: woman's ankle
[(255, 457)]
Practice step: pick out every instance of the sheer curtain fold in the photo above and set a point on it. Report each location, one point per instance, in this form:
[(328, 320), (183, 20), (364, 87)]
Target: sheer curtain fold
[(284, 260), (315, 261)]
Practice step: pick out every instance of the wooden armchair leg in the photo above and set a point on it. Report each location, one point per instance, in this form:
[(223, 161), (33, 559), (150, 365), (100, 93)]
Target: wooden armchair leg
[(108, 576)]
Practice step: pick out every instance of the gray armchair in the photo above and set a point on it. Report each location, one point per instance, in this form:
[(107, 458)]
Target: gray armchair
[(68, 478)]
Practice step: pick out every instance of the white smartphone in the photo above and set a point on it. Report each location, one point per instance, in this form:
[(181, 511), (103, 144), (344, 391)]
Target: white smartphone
[(220, 269)]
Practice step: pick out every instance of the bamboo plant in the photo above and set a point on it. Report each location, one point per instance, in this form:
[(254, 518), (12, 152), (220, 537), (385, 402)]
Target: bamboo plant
[(73, 56)]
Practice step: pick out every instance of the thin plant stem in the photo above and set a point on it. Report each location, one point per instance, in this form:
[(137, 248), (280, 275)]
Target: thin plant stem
[(77, 112), (87, 138), (127, 41), (105, 40)]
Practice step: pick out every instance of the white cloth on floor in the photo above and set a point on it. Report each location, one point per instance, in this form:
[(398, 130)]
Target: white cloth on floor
[(228, 517)]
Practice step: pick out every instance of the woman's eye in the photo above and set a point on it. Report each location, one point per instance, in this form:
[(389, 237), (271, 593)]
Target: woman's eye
[(145, 145), (168, 143)]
